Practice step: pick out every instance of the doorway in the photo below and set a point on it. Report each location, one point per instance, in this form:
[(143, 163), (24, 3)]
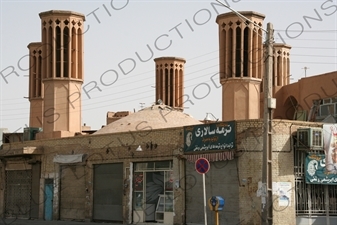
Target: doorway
[(48, 199), (151, 181), (108, 192), (154, 186)]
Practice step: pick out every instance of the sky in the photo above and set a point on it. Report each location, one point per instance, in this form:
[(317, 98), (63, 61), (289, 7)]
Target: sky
[(119, 30)]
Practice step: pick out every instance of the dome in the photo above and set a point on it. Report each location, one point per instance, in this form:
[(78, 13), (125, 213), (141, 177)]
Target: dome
[(154, 117)]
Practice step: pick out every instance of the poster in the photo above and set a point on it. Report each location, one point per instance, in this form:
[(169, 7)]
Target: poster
[(316, 172), (281, 189), (283, 192), (330, 147)]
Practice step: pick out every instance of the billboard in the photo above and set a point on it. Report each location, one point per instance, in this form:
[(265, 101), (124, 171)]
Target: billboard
[(209, 137), (316, 170), (322, 168)]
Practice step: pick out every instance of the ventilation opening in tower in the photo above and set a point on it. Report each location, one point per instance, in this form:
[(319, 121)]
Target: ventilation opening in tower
[(238, 60), (245, 53), (58, 52)]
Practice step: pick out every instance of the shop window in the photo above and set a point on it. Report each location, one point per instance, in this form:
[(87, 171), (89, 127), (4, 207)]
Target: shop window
[(154, 166)]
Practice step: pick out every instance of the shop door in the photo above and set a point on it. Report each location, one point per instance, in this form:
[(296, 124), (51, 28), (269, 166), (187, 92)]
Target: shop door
[(48, 202), (73, 193), (18, 193), (108, 192), (35, 194), (154, 187)]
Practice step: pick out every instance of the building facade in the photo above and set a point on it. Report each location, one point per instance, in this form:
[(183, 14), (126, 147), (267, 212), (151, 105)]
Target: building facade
[(149, 176)]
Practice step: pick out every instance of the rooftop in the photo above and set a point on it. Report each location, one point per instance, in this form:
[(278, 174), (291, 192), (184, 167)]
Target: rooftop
[(154, 117)]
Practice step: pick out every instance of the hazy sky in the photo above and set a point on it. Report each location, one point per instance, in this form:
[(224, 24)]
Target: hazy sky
[(119, 29)]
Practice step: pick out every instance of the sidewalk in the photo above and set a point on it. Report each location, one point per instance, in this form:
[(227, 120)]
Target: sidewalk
[(15, 221)]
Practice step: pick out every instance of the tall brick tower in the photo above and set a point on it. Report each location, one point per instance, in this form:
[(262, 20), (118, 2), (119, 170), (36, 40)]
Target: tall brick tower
[(62, 72), (241, 65), (170, 81), (281, 65), (281, 77), (35, 94)]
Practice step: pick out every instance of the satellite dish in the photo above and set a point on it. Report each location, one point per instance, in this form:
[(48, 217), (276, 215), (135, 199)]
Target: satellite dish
[(210, 117)]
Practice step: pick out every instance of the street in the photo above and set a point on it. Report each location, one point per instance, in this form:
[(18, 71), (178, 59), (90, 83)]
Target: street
[(15, 221)]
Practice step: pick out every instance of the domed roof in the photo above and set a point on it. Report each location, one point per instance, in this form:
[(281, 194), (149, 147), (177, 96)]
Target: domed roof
[(154, 117)]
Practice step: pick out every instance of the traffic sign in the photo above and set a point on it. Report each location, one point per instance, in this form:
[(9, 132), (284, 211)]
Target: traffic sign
[(202, 165)]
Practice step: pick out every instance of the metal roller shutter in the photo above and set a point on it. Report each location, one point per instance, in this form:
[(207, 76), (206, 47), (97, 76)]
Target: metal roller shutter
[(221, 180), (108, 192), (73, 193), (18, 193)]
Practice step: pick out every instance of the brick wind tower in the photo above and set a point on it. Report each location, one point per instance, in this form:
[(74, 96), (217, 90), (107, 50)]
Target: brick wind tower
[(170, 81), (62, 72), (241, 65), (281, 78), (35, 93)]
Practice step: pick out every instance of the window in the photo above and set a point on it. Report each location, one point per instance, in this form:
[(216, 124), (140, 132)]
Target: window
[(327, 107), (160, 165)]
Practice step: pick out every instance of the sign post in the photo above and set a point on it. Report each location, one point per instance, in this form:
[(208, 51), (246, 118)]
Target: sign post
[(202, 166)]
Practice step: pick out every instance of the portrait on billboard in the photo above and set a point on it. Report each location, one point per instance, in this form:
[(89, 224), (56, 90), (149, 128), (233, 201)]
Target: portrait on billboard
[(330, 147)]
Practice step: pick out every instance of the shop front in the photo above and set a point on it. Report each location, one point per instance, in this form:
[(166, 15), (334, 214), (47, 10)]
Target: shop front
[(153, 192)]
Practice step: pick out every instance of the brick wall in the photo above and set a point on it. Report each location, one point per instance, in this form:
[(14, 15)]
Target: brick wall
[(162, 144), (249, 156), (167, 144)]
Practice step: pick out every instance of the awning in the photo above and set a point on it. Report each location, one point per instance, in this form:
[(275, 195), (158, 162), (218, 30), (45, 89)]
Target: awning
[(212, 157), (68, 158)]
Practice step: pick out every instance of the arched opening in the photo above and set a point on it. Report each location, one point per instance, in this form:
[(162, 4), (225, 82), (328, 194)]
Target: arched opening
[(66, 52), (58, 52), (290, 108), (229, 63), (238, 60), (245, 51)]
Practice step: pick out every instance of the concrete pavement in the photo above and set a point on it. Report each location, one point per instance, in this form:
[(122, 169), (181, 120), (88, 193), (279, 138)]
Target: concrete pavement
[(15, 221)]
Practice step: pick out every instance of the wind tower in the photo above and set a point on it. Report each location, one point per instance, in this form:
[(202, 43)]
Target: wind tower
[(62, 72), (281, 77), (35, 94), (170, 81), (241, 64)]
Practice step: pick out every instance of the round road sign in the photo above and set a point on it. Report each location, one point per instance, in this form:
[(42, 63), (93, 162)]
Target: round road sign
[(202, 165)]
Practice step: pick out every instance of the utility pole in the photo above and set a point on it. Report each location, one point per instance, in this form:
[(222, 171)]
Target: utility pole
[(269, 104)]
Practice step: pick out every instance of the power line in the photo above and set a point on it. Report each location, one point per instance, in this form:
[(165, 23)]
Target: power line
[(309, 31), (145, 86), (197, 64), (152, 72)]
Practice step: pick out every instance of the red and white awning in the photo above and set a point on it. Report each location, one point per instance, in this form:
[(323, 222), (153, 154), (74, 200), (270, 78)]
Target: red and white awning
[(212, 157)]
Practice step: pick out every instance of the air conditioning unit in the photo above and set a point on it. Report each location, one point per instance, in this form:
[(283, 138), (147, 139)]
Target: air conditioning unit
[(29, 133), (310, 138)]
